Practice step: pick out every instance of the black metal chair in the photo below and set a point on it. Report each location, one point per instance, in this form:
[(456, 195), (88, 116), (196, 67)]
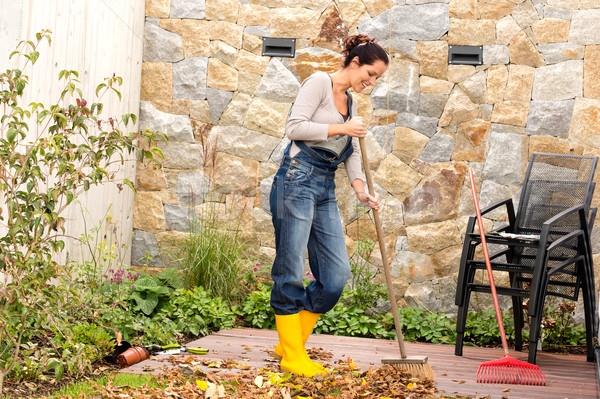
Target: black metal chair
[(544, 248)]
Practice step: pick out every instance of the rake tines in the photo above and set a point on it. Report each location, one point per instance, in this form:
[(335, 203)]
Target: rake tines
[(510, 371)]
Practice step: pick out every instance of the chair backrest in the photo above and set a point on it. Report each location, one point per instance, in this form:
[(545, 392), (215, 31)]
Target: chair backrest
[(553, 183)]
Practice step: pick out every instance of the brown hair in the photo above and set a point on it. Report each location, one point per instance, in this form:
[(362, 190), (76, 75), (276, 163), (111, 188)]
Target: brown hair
[(365, 48)]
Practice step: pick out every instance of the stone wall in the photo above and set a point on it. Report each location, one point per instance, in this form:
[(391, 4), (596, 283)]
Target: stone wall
[(224, 106)]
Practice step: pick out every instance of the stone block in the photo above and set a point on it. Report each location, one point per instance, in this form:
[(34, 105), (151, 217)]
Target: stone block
[(200, 111), (459, 108), (523, 51), (433, 58), (375, 151), (520, 83), (248, 82), (412, 267), (408, 143), (217, 102), (160, 45), (397, 177), (188, 9), (351, 11), (235, 112), (312, 59), (591, 72), (434, 86), (158, 8), (234, 175), (250, 62), (253, 15), (495, 9), (222, 10), (221, 76), (293, 22), (471, 32), (551, 30), (148, 212), (179, 155), (585, 124), (228, 32), (506, 29), (267, 116), (463, 9), (525, 14), (504, 161), (432, 237), (458, 73), (511, 113), (175, 127), (195, 35), (223, 52), (584, 27), (384, 135), (554, 53), (423, 124), (497, 79), (331, 30), (278, 83), (189, 78), (432, 105), (242, 142), (553, 145), (472, 141), (439, 148), (495, 54), (436, 197), (144, 250), (403, 88), (558, 82), (192, 187), (178, 217), (149, 178), (376, 7), (157, 83), (475, 87), (550, 118)]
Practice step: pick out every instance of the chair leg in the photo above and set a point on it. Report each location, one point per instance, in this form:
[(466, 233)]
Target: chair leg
[(590, 318), (534, 333), (518, 319), (461, 321)]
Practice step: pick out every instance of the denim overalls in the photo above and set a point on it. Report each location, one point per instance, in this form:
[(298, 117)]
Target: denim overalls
[(305, 215)]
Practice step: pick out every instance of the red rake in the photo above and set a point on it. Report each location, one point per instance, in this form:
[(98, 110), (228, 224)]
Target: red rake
[(505, 370)]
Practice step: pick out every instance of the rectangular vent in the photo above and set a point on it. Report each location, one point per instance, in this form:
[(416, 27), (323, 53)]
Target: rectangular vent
[(465, 55), (279, 47)]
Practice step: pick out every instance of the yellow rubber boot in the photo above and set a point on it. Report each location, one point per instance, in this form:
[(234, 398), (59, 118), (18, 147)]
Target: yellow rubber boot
[(307, 323), (294, 357)]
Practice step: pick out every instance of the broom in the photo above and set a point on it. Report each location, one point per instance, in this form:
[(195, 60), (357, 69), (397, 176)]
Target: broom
[(415, 365), (505, 370)]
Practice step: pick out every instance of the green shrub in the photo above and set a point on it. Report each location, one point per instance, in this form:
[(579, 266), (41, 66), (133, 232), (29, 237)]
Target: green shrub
[(256, 309)]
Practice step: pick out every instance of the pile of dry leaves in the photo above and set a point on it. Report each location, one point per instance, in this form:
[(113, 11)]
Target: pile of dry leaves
[(204, 378)]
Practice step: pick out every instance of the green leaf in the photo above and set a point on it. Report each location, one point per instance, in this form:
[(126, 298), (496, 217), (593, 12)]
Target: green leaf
[(11, 134)]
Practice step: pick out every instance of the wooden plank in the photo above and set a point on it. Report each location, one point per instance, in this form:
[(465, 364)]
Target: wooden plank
[(568, 376)]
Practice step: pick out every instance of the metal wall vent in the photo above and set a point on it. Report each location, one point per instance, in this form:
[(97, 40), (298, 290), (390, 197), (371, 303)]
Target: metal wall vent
[(465, 55), (279, 47)]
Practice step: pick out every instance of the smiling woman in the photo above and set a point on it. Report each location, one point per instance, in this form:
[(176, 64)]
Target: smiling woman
[(324, 132)]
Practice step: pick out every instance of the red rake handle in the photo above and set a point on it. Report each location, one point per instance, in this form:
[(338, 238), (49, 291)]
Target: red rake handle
[(488, 266)]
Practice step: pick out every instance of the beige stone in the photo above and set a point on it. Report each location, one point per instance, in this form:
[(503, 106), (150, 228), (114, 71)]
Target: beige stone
[(234, 175), (569, 4), (433, 58), (458, 73), (553, 145), (168, 242), (267, 116), (447, 261), (495, 9), (228, 32), (331, 30), (520, 83), (254, 15), (195, 35), (436, 197), (149, 178), (221, 76), (375, 152), (511, 113), (252, 63), (472, 141), (158, 8), (148, 212), (365, 107), (199, 110), (458, 109), (591, 72), (413, 267), (497, 79), (351, 11), (157, 84), (471, 32), (585, 124), (522, 51), (435, 86), (506, 29), (432, 237), (408, 143), (383, 117), (551, 30), (361, 229), (305, 64), (293, 22), (464, 9), (222, 10), (252, 44), (224, 52), (397, 177), (248, 82), (376, 7)]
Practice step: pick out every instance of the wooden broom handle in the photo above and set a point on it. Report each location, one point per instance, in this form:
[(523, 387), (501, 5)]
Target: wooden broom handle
[(382, 248)]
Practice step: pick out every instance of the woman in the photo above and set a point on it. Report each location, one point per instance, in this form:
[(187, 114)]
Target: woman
[(324, 133)]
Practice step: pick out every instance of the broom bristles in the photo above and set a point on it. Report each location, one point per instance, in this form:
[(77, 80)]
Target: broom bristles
[(420, 370), (510, 371)]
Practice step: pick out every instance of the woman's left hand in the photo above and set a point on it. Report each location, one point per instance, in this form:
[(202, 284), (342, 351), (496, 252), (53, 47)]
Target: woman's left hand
[(368, 200)]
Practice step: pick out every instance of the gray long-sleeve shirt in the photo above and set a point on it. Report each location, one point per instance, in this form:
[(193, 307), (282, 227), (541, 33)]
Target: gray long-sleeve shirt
[(311, 114)]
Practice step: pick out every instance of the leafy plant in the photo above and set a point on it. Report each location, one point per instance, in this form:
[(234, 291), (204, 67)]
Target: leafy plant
[(365, 290), (481, 328), (256, 308), (558, 326), (49, 155)]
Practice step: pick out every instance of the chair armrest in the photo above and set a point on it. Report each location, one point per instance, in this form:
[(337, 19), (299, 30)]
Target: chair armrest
[(567, 212), (507, 202)]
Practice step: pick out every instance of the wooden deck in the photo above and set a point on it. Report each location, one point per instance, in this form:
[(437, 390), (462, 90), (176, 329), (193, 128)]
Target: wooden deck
[(568, 376)]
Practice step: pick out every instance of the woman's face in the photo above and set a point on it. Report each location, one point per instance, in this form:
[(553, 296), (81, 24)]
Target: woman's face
[(366, 75)]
